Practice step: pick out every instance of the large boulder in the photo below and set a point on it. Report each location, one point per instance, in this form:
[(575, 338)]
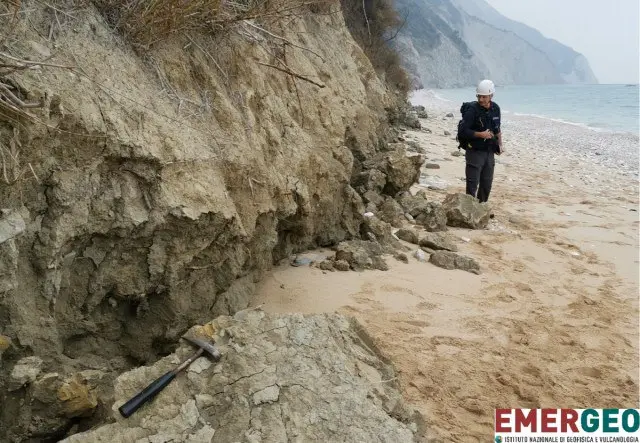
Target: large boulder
[(451, 260), (465, 211), (408, 235), (412, 202), (421, 111), (432, 216), (389, 172), (391, 212), (272, 385), (361, 255), (381, 230), (411, 120), (402, 171), (373, 197), (438, 241), (369, 180)]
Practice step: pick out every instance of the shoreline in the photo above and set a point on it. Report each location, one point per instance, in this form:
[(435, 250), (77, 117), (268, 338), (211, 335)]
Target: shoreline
[(551, 321), (618, 151), (432, 95)]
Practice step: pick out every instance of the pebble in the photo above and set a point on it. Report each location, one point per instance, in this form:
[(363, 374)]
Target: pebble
[(401, 257)]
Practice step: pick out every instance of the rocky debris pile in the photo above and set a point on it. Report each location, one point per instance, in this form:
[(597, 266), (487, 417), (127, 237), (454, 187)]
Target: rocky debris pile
[(436, 241), (407, 115), (412, 215), (386, 173), (411, 120), (427, 213), (421, 111), (281, 378), (357, 255)]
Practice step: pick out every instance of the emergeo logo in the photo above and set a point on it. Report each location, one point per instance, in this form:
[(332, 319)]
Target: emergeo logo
[(567, 425)]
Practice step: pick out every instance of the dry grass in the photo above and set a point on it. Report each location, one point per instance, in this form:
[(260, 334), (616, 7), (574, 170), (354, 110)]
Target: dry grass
[(11, 169), (146, 22), (374, 24)]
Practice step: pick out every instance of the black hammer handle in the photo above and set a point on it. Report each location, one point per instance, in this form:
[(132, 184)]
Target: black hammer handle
[(146, 394), (154, 388)]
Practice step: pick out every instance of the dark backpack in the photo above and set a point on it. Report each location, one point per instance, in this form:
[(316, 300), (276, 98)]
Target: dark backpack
[(463, 142)]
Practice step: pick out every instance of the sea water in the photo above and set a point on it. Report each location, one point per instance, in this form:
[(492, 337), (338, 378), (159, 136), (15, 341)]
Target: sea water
[(613, 108), (598, 122)]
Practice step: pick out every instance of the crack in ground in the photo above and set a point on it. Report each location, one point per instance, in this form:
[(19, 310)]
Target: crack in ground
[(241, 378)]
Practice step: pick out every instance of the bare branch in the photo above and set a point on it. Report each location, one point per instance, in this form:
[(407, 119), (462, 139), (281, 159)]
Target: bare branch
[(33, 62), (16, 101), (290, 72), (364, 9), (404, 21), (285, 40)]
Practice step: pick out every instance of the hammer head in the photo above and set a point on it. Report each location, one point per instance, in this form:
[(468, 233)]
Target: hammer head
[(207, 346)]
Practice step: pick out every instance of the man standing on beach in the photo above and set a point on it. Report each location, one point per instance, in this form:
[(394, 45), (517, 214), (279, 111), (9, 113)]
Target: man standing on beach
[(481, 126)]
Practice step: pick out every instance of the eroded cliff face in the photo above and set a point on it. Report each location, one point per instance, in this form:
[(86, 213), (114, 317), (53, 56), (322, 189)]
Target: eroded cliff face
[(152, 190), (455, 43)]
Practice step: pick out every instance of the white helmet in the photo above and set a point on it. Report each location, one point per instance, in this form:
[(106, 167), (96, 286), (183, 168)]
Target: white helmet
[(485, 87)]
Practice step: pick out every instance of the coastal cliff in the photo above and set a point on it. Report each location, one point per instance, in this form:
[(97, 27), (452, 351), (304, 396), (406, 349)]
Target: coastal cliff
[(453, 43)]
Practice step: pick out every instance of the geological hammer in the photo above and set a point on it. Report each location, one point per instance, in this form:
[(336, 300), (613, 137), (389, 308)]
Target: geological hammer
[(161, 382)]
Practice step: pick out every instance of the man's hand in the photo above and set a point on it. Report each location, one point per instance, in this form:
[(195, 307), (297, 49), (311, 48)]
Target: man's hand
[(486, 134), (500, 149)]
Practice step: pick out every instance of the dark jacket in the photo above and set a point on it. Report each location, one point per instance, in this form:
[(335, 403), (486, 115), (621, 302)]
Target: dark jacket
[(477, 119)]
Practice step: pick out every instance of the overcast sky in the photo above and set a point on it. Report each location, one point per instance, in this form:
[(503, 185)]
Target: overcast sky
[(606, 32)]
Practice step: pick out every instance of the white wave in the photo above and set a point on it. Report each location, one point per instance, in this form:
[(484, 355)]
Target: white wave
[(422, 97), (559, 120)]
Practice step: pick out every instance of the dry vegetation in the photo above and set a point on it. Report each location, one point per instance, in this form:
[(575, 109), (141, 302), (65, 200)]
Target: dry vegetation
[(374, 24), (145, 22)]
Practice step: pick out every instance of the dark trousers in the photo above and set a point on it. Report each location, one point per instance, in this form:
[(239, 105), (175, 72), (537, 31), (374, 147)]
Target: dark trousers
[(479, 172)]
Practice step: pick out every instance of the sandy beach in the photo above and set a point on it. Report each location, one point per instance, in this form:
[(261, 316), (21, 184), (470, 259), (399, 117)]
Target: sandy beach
[(551, 321)]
